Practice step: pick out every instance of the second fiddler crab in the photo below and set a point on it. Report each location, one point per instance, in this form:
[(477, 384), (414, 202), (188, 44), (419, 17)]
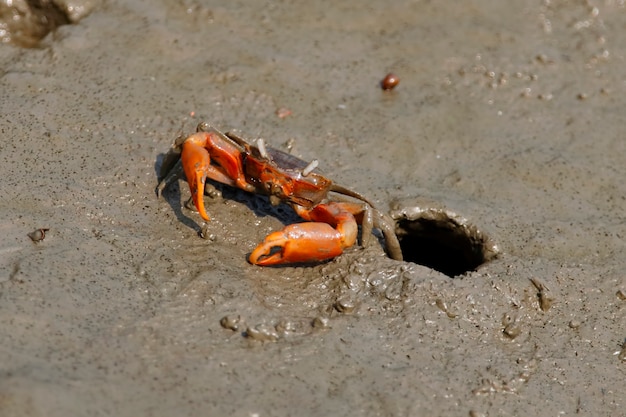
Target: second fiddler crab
[(332, 223)]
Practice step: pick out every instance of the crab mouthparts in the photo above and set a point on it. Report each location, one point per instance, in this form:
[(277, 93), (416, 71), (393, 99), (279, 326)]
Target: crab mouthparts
[(275, 200)]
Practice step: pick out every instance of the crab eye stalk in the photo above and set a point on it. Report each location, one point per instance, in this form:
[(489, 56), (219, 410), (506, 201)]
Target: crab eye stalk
[(309, 168), (260, 143)]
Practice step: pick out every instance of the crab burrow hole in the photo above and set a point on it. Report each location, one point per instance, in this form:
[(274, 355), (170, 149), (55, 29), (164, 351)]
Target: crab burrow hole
[(441, 239)]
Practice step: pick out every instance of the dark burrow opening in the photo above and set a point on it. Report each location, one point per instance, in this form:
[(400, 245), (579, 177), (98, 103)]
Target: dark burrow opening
[(442, 240)]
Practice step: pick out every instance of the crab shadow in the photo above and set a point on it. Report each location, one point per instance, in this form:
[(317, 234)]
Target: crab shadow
[(258, 204)]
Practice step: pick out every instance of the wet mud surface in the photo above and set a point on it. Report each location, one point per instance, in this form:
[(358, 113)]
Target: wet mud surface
[(26, 22), (508, 118)]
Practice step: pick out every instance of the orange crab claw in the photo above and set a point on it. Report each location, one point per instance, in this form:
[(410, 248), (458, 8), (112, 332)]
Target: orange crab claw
[(301, 242), (198, 153), (196, 162)]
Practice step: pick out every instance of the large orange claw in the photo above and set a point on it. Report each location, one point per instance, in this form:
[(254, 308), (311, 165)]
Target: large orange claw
[(196, 164), (301, 242), (199, 150)]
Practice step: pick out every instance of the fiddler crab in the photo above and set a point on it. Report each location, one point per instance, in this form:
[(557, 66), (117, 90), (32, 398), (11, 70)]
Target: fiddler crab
[(332, 224)]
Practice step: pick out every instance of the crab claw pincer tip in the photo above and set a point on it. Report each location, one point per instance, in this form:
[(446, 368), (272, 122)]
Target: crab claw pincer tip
[(196, 161), (298, 243)]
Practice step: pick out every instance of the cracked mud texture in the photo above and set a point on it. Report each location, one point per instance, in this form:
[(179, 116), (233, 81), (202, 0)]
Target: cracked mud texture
[(511, 115)]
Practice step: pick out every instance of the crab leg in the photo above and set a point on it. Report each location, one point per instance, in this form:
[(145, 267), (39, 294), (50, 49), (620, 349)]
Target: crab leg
[(333, 228), (198, 149)]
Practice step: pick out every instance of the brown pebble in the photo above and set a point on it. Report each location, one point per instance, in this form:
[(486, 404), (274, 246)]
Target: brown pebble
[(204, 233), (320, 322), (345, 305), (231, 322), (574, 324), (389, 82), (38, 235)]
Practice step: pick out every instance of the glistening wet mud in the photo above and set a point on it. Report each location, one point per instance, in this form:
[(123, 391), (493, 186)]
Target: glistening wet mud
[(508, 113)]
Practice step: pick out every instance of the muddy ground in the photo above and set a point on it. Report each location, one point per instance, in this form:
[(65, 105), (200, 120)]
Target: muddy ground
[(509, 114)]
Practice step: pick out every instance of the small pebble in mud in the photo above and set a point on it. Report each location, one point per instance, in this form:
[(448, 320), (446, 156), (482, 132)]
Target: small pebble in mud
[(211, 191), (390, 81), (320, 323), (204, 233), (621, 294), (574, 324), (262, 332), (345, 305), (38, 235), (231, 322)]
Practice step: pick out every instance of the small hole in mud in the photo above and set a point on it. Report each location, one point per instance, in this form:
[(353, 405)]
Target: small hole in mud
[(442, 240)]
